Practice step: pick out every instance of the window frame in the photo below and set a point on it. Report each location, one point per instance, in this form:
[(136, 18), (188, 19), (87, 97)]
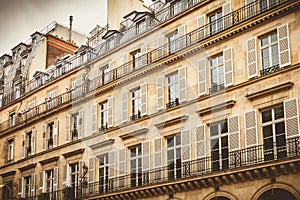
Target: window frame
[(268, 46), (103, 108)]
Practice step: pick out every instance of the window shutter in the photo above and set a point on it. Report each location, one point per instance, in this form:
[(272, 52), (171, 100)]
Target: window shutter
[(186, 145), (159, 46), (94, 118), (32, 191), (228, 65), (251, 58), (65, 175), (110, 112), (112, 164), (158, 158), (202, 76), (146, 156), (144, 51), (144, 99), (68, 127), (55, 178), (122, 167), (33, 142), (201, 25), (81, 124), (160, 92), (110, 71), (284, 45), (21, 187), (23, 145), (55, 133), (91, 174), (291, 117), (251, 134), (181, 33), (125, 106), (200, 148), (182, 84), (42, 182), (226, 10), (45, 138), (234, 133), (250, 8)]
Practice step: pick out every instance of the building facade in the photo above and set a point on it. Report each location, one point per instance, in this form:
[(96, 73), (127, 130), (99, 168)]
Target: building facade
[(189, 99)]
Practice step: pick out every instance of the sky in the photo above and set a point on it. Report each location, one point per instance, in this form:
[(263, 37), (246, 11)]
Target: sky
[(20, 18)]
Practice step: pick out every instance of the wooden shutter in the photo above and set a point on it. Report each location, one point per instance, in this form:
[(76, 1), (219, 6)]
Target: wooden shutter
[(251, 135), (186, 145), (33, 142), (23, 145), (200, 148), (68, 127), (284, 45), (252, 57), (291, 117), (125, 106), (55, 133), (226, 10), (122, 167), (146, 156), (159, 46), (112, 164), (81, 124), (181, 33), (144, 99), (55, 178), (202, 76), (234, 133), (144, 56), (32, 189), (45, 137), (91, 174), (228, 66), (110, 112), (94, 118), (21, 187), (160, 92), (42, 182), (201, 27), (182, 83), (158, 158)]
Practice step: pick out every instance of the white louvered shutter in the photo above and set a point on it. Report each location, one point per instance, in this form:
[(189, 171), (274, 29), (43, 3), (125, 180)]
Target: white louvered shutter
[(23, 145), (250, 8), (55, 133), (32, 189), (94, 118), (160, 92), (202, 76), (181, 33), (125, 106), (284, 45), (228, 66), (45, 137), (251, 135), (122, 167), (110, 118), (182, 84), (226, 10), (68, 127), (21, 192), (81, 124), (112, 164), (144, 99), (252, 58), (42, 179), (158, 158), (91, 174), (55, 179), (159, 46), (201, 25), (234, 139), (33, 142), (291, 118), (146, 156), (186, 145), (200, 148), (144, 51), (66, 178)]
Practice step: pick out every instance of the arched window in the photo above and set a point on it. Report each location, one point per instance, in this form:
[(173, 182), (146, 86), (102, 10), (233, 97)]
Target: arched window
[(220, 198), (277, 194)]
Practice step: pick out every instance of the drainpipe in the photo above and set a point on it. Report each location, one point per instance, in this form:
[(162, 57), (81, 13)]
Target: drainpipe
[(70, 29)]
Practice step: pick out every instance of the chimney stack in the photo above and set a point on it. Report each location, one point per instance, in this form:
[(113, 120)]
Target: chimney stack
[(70, 29)]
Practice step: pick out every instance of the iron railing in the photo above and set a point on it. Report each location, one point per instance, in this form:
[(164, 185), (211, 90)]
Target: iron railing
[(216, 88), (269, 70), (233, 18), (172, 104)]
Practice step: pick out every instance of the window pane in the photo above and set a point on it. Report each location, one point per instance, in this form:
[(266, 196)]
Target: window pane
[(170, 155), (170, 142), (214, 144), (267, 131), (274, 37), (279, 112), (214, 130), (264, 41), (279, 128), (266, 116)]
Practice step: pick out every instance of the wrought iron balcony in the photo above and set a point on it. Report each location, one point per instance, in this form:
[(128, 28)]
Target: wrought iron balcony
[(74, 133), (269, 70), (173, 103), (103, 127), (216, 88), (136, 116)]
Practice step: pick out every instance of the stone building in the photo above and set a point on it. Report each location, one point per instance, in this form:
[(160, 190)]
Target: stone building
[(188, 99)]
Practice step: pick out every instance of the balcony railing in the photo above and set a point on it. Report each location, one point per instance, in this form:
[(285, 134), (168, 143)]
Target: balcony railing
[(234, 18), (180, 170), (216, 88), (136, 116), (269, 70), (172, 104)]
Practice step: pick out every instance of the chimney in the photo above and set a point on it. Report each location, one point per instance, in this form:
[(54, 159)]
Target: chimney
[(70, 29)]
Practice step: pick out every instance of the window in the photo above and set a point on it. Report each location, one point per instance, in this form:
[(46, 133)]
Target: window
[(174, 156), (10, 151), (28, 186), (273, 130), (176, 7), (219, 146), (49, 182), (172, 41), (103, 173), (50, 135), (17, 90), (77, 88), (173, 90), (215, 21), (104, 115), (110, 42), (140, 26), (136, 59), (136, 165), (29, 143), (12, 118), (51, 99), (216, 74), (265, 4), (269, 51), (136, 104), (104, 73), (74, 173), (30, 110), (75, 126)]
